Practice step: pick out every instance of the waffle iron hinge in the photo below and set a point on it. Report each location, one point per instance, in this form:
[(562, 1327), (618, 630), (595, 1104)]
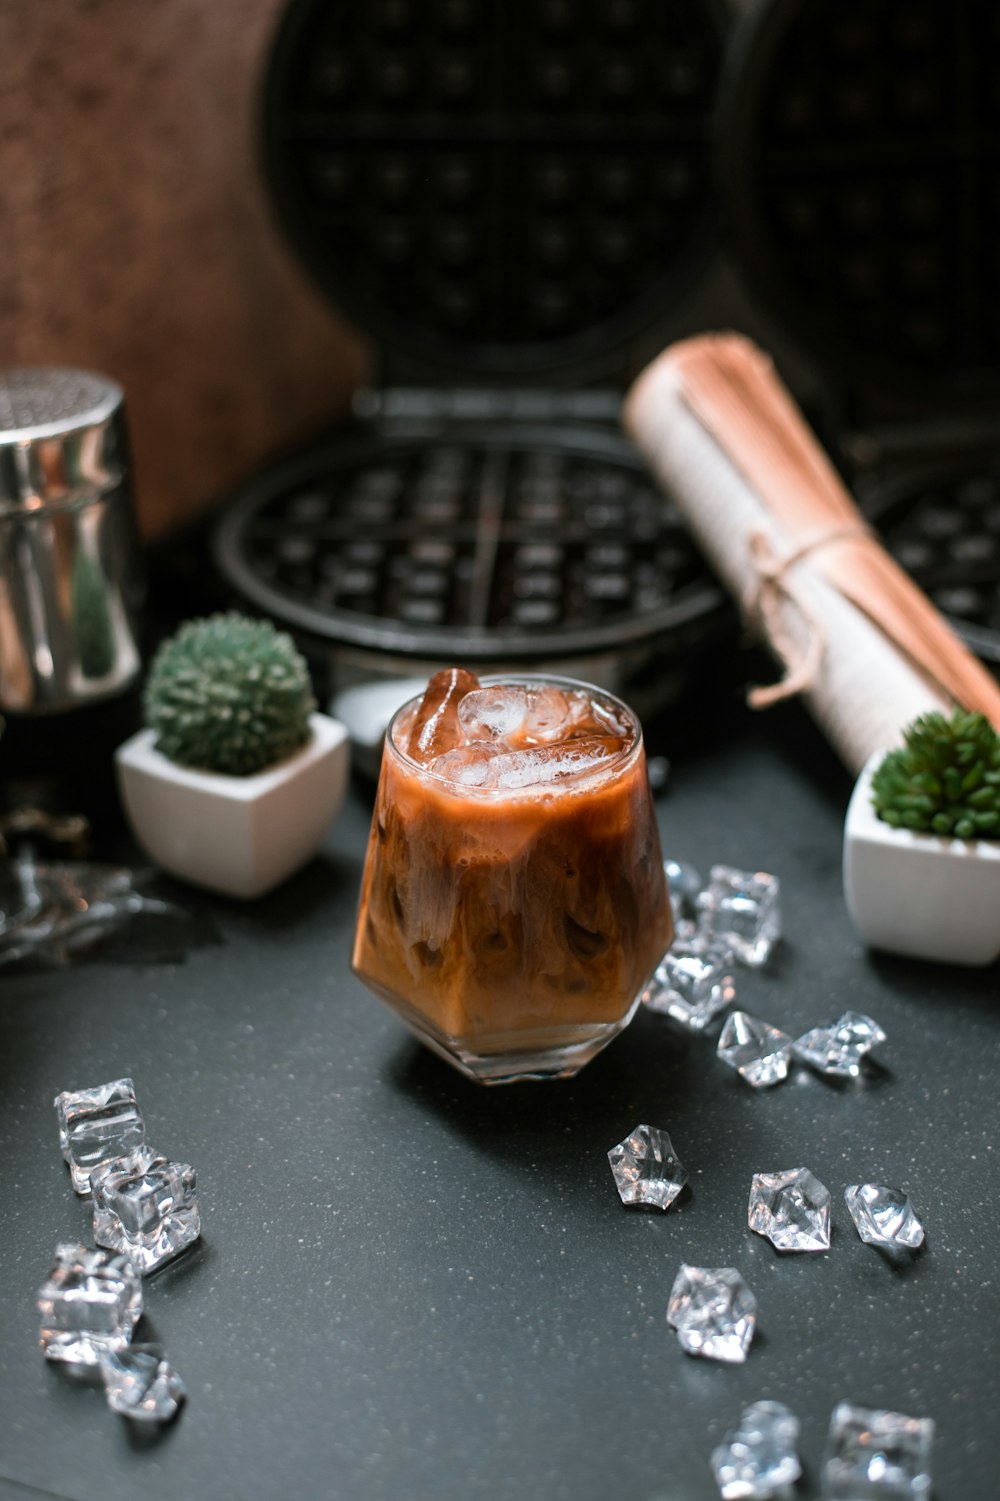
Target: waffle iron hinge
[(437, 407)]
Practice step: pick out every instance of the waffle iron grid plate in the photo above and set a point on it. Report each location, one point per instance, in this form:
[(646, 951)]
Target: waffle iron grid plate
[(501, 545)]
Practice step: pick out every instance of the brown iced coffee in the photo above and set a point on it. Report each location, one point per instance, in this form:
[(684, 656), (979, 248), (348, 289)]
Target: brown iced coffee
[(514, 900)]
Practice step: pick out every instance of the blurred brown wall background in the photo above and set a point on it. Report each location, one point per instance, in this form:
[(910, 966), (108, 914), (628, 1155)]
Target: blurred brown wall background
[(136, 239)]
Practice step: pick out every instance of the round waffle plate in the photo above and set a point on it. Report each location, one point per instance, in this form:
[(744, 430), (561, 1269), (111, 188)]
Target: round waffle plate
[(942, 524), (498, 545), (860, 160), (496, 185)]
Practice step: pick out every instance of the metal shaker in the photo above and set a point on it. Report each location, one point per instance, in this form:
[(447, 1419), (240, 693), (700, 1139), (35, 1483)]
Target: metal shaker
[(71, 577)]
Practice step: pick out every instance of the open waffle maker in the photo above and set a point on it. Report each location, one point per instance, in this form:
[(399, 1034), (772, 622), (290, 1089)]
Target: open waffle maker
[(512, 197), (515, 197)]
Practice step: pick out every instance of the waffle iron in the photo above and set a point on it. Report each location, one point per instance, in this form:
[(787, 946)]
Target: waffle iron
[(859, 166), (513, 199)]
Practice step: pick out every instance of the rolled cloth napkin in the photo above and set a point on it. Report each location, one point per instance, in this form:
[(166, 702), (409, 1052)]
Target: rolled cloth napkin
[(857, 638)]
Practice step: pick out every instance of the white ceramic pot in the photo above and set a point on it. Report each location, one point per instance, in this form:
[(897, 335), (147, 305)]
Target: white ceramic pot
[(919, 894), (238, 835)]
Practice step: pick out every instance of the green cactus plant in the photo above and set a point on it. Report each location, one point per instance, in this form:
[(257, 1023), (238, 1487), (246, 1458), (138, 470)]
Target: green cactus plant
[(229, 694), (944, 780)]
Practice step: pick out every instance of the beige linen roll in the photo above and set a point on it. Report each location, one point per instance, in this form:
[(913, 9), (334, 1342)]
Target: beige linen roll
[(857, 637)]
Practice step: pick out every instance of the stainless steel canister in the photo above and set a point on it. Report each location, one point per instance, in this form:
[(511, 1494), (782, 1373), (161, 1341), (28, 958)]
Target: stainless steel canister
[(71, 579)]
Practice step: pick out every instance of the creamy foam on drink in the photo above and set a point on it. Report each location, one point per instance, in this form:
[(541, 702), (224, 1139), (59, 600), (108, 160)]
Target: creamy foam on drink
[(514, 887)]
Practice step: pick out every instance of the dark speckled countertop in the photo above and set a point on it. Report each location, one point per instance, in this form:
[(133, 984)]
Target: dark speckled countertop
[(412, 1287)]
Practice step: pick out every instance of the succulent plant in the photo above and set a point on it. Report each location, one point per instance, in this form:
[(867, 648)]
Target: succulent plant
[(229, 694), (944, 780)]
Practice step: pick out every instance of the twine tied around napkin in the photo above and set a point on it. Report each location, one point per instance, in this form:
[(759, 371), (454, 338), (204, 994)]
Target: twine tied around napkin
[(857, 637), (766, 601), (733, 388)]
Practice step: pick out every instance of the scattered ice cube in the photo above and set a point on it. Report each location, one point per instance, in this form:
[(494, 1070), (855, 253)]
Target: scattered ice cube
[(791, 1209), (54, 911), (757, 1461), (90, 1302), (145, 1207), (684, 885), (743, 909), (646, 1168), (96, 1125), (141, 1384), (874, 1455), (884, 1216), (758, 1052), (493, 712), (693, 983), (713, 1311), (838, 1047)]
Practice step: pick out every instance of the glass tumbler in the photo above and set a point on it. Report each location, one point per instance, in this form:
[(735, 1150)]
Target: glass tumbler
[(514, 903)]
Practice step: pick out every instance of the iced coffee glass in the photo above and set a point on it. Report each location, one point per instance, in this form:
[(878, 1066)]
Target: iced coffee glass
[(513, 903)]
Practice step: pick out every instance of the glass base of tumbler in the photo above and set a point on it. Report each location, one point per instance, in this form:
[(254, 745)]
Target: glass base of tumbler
[(556, 1052)]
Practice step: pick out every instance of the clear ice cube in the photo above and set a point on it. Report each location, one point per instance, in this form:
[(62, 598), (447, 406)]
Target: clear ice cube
[(96, 1125), (758, 1052), (743, 909), (791, 1209), (56, 910), (90, 1303), (838, 1047), (713, 1311), (875, 1455), (493, 712), (693, 983), (548, 718), (145, 1207), (646, 1168), (883, 1216), (757, 1461), (141, 1384), (467, 765), (548, 763)]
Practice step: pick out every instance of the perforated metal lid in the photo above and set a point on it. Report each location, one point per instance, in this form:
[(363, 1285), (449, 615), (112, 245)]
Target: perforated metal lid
[(61, 435), (497, 187)]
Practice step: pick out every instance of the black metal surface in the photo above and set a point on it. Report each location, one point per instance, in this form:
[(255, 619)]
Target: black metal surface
[(497, 187), (412, 1287), (942, 524), (859, 154)]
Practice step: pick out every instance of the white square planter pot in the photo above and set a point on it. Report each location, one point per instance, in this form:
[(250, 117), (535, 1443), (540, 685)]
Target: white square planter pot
[(238, 835), (923, 895)]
